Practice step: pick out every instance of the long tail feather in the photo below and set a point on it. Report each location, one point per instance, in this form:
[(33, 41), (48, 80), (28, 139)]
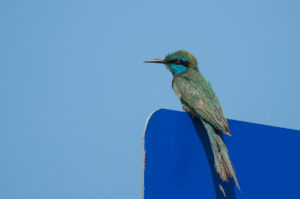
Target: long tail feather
[(222, 160)]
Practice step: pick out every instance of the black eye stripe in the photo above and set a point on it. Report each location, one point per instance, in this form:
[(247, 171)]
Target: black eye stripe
[(181, 62)]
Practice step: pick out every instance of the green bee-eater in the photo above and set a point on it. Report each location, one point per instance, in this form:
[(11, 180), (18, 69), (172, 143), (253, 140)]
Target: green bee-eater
[(199, 99)]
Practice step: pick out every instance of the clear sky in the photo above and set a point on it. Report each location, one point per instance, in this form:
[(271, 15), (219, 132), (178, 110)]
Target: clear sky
[(75, 93)]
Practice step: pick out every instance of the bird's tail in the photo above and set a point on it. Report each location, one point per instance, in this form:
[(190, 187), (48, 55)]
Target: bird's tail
[(222, 160)]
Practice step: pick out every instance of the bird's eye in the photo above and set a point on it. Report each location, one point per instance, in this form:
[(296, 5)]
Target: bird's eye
[(177, 61)]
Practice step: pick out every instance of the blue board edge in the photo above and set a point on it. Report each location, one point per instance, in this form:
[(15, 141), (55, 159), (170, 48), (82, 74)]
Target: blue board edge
[(232, 122)]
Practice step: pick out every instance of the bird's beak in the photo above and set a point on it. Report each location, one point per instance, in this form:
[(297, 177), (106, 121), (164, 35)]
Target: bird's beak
[(158, 61)]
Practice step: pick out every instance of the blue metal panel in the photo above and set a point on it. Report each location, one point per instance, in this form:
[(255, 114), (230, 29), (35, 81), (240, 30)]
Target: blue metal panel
[(179, 161)]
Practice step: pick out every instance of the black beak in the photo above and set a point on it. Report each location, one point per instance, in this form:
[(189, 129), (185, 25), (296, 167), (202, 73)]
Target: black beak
[(158, 61)]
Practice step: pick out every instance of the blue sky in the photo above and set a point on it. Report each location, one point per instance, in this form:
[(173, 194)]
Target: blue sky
[(75, 93)]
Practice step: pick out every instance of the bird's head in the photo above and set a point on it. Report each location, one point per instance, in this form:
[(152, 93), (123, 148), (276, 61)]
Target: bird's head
[(178, 62)]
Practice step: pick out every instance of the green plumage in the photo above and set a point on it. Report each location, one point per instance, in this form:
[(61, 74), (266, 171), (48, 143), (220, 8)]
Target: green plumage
[(196, 92), (199, 99)]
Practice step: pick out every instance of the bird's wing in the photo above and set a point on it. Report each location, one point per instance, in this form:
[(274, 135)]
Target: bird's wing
[(196, 93)]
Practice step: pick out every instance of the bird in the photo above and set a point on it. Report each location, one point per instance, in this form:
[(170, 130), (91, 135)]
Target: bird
[(199, 100)]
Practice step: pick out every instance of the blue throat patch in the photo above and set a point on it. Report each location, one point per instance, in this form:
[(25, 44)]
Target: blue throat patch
[(177, 69)]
